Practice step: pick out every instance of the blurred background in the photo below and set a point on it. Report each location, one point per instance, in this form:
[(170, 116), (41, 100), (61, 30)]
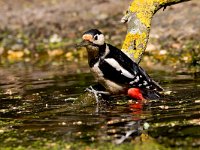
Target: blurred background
[(32, 28)]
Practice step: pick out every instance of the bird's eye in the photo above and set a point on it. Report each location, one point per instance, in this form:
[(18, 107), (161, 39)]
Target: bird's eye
[(95, 37)]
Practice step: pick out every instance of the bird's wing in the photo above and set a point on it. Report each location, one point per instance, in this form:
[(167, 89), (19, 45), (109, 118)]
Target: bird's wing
[(129, 70), (113, 71), (152, 85)]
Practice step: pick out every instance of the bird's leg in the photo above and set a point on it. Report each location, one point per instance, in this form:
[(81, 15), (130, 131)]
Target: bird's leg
[(96, 92), (91, 90)]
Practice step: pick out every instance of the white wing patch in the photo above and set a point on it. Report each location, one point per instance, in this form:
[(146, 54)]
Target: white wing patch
[(145, 83), (118, 67), (137, 79)]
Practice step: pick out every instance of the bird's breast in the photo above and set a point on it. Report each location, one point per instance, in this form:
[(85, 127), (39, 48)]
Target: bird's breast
[(109, 85)]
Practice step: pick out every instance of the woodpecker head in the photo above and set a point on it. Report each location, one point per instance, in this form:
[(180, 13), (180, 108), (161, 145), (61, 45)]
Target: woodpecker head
[(93, 37)]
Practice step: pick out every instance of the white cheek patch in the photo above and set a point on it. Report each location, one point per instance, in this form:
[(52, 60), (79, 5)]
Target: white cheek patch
[(100, 40), (117, 66)]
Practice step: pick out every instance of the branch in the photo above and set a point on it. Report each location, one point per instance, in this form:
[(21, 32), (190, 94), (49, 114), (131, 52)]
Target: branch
[(138, 17)]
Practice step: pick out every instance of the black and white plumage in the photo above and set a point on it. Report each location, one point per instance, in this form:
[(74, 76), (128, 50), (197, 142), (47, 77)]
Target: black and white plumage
[(113, 69)]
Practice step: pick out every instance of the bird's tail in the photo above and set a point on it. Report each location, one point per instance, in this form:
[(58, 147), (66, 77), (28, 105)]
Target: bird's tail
[(151, 94)]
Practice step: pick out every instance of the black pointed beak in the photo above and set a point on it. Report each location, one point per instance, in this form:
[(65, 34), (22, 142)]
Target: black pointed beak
[(82, 44)]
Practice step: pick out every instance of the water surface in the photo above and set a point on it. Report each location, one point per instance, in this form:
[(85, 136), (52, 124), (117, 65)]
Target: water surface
[(39, 103)]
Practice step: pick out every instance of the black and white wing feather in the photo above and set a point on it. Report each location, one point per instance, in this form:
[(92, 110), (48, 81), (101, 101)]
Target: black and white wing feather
[(119, 68)]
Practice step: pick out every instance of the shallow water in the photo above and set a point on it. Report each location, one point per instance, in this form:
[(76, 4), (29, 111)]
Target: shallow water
[(39, 103)]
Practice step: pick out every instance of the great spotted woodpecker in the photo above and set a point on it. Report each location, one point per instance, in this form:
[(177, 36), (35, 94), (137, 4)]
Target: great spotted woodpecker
[(115, 71)]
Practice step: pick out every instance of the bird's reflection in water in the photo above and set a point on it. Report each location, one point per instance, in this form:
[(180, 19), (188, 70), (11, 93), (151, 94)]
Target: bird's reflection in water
[(126, 127)]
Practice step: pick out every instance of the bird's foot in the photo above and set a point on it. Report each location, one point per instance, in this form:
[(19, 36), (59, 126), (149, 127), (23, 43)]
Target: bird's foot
[(96, 93)]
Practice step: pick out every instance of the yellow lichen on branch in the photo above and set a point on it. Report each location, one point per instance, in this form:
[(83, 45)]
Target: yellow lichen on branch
[(144, 10), (139, 16), (133, 44)]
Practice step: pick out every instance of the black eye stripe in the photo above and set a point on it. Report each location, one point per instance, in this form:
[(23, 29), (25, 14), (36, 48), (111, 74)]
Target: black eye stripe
[(95, 37)]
